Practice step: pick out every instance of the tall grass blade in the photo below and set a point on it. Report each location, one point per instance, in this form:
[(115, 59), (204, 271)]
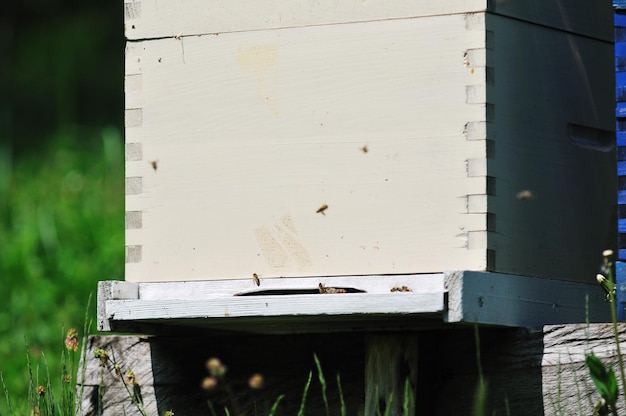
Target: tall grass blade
[(322, 380), (83, 358), (407, 403), (211, 408), (480, 400), (480, 397), (31, 387), (389, 405), (304, 394), (275, 405), (101, 392), (6, 393), (341, 399), (49, 395)]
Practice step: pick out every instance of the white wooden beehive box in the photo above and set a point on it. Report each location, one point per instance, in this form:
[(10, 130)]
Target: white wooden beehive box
[(324, 138)]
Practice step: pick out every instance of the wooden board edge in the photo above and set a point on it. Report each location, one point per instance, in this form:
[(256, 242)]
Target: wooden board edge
[(112, 290), (276, 306), (487, 298)]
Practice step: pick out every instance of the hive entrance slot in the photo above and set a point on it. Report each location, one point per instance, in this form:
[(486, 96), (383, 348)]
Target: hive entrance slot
[(313, 291)]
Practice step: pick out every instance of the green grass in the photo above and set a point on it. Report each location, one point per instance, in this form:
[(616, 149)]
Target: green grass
[(61, 231)]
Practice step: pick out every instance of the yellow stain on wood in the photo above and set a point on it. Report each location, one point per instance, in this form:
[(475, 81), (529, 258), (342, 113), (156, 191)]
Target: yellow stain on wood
[(262, 60)]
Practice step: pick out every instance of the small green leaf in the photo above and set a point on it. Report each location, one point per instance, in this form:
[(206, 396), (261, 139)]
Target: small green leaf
[(603, 378)]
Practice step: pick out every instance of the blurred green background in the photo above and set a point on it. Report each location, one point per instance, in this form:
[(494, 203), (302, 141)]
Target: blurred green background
[(61, 174)]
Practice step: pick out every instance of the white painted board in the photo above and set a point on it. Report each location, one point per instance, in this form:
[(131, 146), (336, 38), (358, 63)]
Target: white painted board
[(381, 147), (154, 18), (357, 302), (243, 137)]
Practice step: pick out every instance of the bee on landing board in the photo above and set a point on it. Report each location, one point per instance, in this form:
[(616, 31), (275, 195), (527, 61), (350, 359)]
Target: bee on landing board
[(256, 279), (330, 290)]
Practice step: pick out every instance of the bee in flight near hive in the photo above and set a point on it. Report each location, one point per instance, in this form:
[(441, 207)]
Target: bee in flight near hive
[(525, 195), (321, 209)]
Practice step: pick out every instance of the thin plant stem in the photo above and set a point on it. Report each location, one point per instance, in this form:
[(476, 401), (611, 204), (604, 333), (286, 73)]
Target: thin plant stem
[(49, 396), (481, 391), (304, 394), (389, 405), (341, 399), (211, 408), (275, 406), (620, 359), (408, 397), (83, 358), (322, 380), (6, 393), (31, 387)]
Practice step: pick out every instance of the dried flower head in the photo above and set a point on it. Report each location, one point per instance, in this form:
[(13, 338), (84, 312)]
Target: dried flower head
[(607, 285), (71, 340), (41, 391), (130, 377), (256, 381), (216, 367), (102, 355), (209, 383)]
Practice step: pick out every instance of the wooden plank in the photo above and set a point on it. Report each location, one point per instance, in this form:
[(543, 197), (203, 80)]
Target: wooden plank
[(385, 301), (199, 290), (528, 371), (499, 299), (170, 372), (276, 305), (273, 126), (112, 289), (153, 19), (539, 87)]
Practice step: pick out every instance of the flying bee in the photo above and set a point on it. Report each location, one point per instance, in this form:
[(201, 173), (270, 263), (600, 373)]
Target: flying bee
[(154, 164), (256, 279), (364, 149), (525, 195), (321, 209)]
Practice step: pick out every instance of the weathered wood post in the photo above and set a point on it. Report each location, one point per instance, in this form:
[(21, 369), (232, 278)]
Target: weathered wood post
[(392, 173)]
